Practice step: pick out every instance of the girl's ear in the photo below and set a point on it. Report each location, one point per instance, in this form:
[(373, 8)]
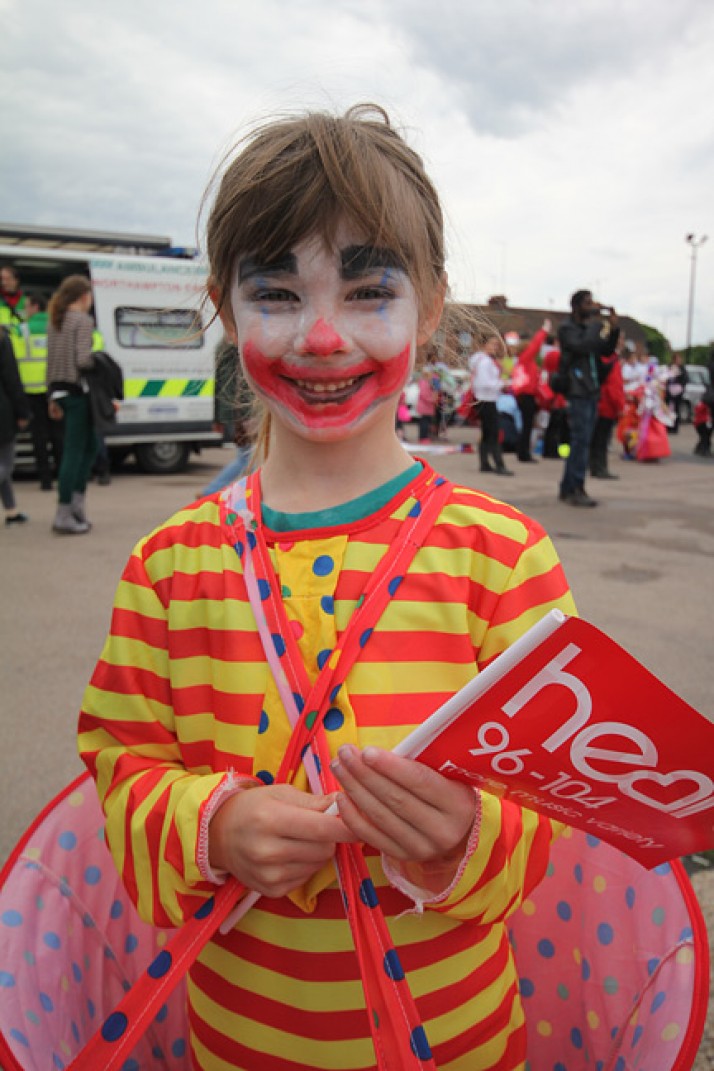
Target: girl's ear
[(225, 313), (432, 315)]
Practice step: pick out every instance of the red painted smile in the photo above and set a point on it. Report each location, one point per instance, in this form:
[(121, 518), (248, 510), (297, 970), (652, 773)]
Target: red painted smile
[(326, 396)]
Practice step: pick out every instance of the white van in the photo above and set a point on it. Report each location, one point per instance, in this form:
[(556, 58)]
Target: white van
[(149, 312)]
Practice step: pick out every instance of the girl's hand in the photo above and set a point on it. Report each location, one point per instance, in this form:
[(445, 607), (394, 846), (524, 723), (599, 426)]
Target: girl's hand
[(274, 838), (404, 809)]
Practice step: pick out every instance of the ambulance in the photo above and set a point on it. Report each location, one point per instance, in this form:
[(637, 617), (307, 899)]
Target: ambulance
[(149, 309)]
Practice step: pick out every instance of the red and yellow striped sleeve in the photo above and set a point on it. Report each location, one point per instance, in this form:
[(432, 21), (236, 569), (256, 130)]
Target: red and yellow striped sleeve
[(127, 738)]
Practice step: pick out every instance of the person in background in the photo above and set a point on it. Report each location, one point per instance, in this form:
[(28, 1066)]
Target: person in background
[(590, 333), (12, 299), (14, 415), (486, 384), (326, 262), (524, 384), (557, 432), (427, 402), (29, 341), (703, 428), (633, 375), (677, 379), (69, 357), (610, 407)]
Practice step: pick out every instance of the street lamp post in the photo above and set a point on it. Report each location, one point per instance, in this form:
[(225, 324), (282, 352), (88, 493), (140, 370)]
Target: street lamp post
[(694, 242)]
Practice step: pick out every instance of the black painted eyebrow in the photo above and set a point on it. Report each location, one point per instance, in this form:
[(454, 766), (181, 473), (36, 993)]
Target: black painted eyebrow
[(359, 260), (250, 267)]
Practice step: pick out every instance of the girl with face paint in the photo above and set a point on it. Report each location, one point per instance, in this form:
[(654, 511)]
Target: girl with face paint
[(292, 628)]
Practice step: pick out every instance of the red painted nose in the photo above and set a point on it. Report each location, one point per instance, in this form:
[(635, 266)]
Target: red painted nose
[(322, 340)]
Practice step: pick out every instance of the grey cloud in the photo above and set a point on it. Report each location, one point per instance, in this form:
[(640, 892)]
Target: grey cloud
[(510, 63)]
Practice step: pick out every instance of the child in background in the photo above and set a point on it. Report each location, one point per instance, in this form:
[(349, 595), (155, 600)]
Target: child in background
[(703, 428), (326, 252)]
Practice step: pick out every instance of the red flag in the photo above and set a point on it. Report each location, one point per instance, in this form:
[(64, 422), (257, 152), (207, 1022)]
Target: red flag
[(569, 724)]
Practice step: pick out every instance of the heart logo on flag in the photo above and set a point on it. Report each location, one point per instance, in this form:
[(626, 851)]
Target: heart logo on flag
[(665, 781)]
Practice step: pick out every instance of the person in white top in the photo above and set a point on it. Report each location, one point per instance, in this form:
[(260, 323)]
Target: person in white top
[(487, 384)]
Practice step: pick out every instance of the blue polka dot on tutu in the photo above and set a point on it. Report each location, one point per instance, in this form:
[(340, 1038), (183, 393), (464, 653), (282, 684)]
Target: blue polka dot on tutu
[(77, 973), (91, 1008), (11, 918), (327, 604), (7, 980), (630, 897), (527, 987), (392, 966), (620, 1064), (178, 1047), (658, 916), (639, 1031), (334, 719), (592, 842), (117, 909), (46, 1002), (131, 943), (546, 948), (52, 940), (687, 934), (130, 1065), (605, 933), (576, 1038), (585, 969), (162, 1013), (67, 840), (323, 565), (17, 1035), (58, 1062), (662, 869), (578, 873), (564, 911), (652, 965), (658, 1001), (92, 875)]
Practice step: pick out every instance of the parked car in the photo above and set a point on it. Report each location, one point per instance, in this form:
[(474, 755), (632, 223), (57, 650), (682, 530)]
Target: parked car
[(698, 383)]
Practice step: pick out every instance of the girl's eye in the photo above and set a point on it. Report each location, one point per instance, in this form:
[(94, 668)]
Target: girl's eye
[(273, 295), (373, 293)]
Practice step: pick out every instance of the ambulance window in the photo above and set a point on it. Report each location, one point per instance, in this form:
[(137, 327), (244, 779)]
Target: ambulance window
[(158, 329)]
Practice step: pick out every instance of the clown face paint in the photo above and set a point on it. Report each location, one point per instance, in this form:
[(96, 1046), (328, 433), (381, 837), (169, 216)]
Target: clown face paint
[(327, 335)]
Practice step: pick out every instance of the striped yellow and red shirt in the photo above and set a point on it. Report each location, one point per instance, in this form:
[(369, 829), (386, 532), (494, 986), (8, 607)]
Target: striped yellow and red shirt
[(182, 695)]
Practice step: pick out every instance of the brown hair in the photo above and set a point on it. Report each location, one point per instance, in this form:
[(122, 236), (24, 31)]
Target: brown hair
[(298, 176), (70, 290)]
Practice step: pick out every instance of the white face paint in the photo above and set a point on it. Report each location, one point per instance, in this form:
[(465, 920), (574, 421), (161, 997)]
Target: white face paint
[(327, 335)]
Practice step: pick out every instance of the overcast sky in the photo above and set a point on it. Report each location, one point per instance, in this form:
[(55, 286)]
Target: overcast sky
[(571, 140)]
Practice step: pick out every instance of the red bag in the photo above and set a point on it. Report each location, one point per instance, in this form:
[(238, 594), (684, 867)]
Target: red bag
[(544, 395)]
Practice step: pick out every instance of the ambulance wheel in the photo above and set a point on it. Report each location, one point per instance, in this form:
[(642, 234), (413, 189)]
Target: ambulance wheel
[(161, 459)]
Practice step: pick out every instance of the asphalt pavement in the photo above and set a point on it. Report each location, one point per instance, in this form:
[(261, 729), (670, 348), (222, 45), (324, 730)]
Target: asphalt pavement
[(641, 566)]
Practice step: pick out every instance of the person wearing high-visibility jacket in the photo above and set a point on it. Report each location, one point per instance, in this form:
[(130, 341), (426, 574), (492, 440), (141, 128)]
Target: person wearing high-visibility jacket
[(29, 341), (12, 299)]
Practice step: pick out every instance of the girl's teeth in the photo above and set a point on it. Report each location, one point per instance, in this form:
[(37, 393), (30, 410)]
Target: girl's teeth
[(324, 388)]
